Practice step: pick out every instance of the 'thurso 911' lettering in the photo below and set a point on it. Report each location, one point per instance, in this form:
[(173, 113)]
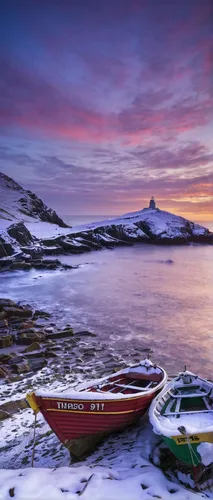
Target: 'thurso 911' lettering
[(79, 406)]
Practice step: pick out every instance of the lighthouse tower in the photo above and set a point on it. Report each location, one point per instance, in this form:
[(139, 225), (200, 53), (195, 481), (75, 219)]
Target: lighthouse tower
[(152, 203)]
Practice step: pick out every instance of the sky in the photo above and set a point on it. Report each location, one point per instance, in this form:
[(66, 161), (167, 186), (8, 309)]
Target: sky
[(104, 104)]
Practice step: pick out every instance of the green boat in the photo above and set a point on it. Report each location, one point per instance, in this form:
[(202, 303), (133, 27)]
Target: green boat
[(182, 414)]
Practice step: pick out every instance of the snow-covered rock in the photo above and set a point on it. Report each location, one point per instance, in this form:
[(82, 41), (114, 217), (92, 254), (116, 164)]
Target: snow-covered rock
[(29, 226), (17, 204), (146, 226)]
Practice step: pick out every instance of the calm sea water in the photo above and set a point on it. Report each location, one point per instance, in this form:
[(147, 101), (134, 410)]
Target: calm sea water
[(133, 298)]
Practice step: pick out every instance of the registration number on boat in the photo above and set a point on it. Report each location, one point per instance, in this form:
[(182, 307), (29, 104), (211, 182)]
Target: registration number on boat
[(185, 440), (79, 406)]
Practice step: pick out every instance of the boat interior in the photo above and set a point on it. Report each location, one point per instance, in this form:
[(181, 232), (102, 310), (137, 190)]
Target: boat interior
[(194, 398), (128, 383)]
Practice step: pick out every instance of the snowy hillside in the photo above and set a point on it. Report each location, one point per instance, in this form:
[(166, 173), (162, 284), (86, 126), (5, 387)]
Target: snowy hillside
[(28, 227), (146, 226), (17, 204)]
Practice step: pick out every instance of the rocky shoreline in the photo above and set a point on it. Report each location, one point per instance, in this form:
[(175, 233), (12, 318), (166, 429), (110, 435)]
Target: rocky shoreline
[(30, 341), (37, 335), (22, 250), (26, 263), (34, 352), (30, 231)]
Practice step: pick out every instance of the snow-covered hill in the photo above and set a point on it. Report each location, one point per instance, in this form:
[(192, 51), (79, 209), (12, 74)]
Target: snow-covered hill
[(19, 205), (27, 226)]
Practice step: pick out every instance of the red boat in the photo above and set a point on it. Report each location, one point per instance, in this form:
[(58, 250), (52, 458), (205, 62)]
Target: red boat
[(82, 418)]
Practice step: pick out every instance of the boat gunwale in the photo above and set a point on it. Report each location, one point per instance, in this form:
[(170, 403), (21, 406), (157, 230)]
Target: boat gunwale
[(160, 427), (82, 395)]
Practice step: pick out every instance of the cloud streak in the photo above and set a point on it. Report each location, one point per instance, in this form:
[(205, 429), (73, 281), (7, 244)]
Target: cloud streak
[(109, 100)]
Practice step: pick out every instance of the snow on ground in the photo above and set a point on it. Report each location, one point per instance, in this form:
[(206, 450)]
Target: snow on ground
[(159, 222), (121, 468), (11, 211), (44, 230), (19, 205), (97, 483)]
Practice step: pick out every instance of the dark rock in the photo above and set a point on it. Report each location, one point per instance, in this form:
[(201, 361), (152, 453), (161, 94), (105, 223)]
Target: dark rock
[(206, 238), (14, 378), (40, 266), (64, 333), (6, 248), (49, 242), (5, 358), (85, 333), (90, 238), (16, 311), (3, 315), (20, 233), (3, 324), (21, 367), (6, 303), (5, 263), (27, 331), (3, 414), (12, 407), (14, 360), (29, 338), (34, 252), (26, 325), (49, 353), (41, 314), (4, 372), (5, 341), (26, 266), (37, 363), (33, 347), (14, 323)]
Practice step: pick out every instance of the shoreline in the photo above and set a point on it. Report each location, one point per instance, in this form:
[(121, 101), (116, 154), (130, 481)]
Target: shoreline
[(71, 361)]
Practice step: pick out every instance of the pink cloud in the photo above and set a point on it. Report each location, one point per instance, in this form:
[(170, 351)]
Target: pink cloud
[(32, 104)]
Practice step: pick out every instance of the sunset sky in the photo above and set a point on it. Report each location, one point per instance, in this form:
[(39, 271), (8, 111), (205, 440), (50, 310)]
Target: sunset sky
[(104, 103)]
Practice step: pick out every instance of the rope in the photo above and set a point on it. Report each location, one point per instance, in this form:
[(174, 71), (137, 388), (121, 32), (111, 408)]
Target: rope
[(33, 453), (193, 454)]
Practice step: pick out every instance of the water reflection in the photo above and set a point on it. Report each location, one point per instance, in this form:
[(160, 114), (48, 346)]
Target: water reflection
[(133, 298)]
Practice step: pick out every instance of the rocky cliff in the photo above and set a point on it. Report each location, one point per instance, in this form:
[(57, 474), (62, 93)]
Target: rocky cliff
[(27, 235), (17, 204)]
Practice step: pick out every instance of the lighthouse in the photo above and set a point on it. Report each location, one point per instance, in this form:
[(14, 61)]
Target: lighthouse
[(152, 203)]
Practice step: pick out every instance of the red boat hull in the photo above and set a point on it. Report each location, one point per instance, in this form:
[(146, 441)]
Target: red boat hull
[(109, 404), (107, 416)]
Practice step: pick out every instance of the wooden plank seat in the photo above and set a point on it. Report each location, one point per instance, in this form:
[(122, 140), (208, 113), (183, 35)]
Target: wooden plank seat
[(135, 387), (193, 395), (114, 384), (196, 412), (154, 377)]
